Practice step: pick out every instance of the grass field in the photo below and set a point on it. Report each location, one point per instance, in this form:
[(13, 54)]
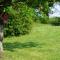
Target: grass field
[(43, 43)]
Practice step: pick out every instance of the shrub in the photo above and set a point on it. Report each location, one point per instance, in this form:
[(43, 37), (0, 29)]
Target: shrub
[(43, 18), (54, 21), (20, 19)]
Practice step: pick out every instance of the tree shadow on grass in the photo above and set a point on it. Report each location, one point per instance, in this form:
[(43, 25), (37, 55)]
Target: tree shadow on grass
[(12, 46)]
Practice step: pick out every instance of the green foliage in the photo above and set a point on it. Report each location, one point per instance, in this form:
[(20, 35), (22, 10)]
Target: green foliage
[(43, 18), (20, 19), (21, 15), (1, 0), (54, 21)]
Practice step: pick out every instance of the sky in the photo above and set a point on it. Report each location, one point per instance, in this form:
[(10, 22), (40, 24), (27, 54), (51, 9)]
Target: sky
[(55, 10)]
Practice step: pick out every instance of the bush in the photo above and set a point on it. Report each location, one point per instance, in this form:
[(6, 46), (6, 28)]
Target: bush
[(20, 19), (43, 18), (54, 21)]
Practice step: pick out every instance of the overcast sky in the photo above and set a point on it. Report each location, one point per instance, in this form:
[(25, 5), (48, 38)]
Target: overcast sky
[(55, 10)]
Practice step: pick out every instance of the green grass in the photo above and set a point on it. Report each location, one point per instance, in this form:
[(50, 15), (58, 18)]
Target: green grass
[(43, 43)]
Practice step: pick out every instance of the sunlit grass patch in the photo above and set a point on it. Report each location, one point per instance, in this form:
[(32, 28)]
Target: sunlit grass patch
[(43, 43)]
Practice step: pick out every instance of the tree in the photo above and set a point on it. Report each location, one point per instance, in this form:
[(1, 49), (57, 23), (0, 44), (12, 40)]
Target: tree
[(3, 4)]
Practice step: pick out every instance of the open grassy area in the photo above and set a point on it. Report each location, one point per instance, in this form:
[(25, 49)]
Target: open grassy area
[(43, 43)]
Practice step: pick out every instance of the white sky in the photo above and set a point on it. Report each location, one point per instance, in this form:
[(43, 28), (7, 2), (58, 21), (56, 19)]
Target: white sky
[(55, 10)]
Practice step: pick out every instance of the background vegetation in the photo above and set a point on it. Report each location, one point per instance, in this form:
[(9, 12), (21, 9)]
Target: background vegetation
[(22, 15)]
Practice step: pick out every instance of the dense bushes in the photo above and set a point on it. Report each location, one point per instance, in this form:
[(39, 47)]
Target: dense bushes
[(54, 21), (20, 19), (42, 18)]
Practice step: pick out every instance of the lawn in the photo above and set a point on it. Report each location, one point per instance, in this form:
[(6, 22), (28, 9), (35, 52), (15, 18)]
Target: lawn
[(43, 43)]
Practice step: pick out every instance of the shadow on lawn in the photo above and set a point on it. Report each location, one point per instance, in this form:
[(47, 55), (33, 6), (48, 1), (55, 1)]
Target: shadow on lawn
[(12, 46)]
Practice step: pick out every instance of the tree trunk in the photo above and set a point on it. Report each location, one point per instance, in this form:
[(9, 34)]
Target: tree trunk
[(1, 38)]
